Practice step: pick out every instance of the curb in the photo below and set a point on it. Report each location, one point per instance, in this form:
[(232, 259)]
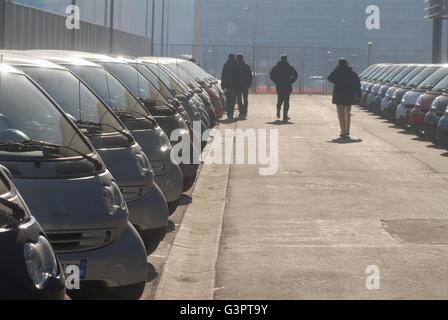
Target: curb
[(190, 269)]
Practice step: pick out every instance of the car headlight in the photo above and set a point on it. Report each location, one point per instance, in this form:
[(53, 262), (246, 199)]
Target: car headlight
[(40, 261), (165, 143), (143, 164), (446, 112), (113, 199)]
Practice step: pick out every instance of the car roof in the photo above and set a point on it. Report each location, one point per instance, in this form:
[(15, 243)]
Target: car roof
[(6, 68), (61, 57), (18, 58), (160, 60)]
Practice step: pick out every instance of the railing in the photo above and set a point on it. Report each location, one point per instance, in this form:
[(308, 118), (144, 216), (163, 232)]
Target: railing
[(313, 64)]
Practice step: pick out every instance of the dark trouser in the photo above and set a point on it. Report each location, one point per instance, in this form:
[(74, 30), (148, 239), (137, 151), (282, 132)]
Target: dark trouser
[(243, 100), (231, 101), (283, 100)]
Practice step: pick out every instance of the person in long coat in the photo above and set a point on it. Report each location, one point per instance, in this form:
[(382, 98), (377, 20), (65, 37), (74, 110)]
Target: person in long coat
[(346, 92), (244, 82), (229, 84), (283, 75)]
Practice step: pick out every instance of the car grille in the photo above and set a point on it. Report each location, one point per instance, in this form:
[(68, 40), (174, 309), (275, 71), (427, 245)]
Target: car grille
[(132, 193), (78, 241)]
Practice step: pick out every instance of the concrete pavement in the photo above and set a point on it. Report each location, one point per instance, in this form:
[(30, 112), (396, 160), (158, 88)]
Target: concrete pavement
[(333, 210)]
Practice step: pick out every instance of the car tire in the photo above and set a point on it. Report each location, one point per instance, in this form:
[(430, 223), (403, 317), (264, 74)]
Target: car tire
[(172, 207), (189, 182), (151, 247)]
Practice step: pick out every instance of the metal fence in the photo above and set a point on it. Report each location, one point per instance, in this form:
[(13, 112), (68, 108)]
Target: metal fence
[(29, 28), (313, 64)]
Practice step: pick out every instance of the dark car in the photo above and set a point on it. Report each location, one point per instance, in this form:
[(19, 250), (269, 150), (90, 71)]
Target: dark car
[(400, 80), (417, 116), (368, 84), (376, 94), (29, 269), (432, 118), (442, 130), (411, 97)]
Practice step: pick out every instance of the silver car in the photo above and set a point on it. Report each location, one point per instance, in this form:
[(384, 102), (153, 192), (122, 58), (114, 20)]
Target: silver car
[(135, 117), (117, 147), (29, 269), (69, 190)]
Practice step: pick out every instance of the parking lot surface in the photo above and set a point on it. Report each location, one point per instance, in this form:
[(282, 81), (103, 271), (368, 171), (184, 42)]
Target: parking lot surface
[(334, 213)]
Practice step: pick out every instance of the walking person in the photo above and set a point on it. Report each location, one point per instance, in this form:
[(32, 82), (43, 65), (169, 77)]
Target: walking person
[(284, 75), (346, 92), (228, 84), (244, 82)]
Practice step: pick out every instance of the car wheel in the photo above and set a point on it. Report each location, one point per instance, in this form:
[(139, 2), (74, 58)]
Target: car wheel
[(151, 247), (172, 206), (189, 182)]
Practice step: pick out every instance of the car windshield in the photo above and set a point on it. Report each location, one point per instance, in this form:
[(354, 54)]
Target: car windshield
[(422, 76), (183, 86), (74, 97), (192, 72), (164, 90), (178, 72), (109, 89), (136, 82), (434, 79), (402, 74), (394, 73), (26, 115), (367, 71), (442, 86), (379, 73), (411, 75), (387, 73), (166, 78)]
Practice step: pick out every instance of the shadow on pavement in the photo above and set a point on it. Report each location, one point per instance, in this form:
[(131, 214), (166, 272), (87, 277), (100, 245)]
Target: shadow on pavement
[(280, 123), (185, 200), (445, 154), (345, 141), (152, 273)]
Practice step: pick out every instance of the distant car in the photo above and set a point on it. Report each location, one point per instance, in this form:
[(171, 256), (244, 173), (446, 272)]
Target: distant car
[(432, 118), (411, 97), (29, 269), (442, 130), (392, 99), (367, 84), (418, 114)]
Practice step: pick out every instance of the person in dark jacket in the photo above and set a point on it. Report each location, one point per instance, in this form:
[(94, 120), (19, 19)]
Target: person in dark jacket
[(244, 82), (284, 76), (346, 92), (228, 84)]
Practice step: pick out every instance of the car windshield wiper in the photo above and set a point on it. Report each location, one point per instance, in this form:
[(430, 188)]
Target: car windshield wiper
[(35, 145), (131, 114), (95, 127)]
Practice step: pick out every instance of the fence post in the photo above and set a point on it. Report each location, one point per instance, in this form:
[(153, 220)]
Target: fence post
[(369, 54), (437, 40), (2, 24), (111, 27)]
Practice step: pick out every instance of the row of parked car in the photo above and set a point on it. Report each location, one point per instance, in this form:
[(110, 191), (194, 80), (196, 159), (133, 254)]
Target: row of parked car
[(86, 175), (414, 96)]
